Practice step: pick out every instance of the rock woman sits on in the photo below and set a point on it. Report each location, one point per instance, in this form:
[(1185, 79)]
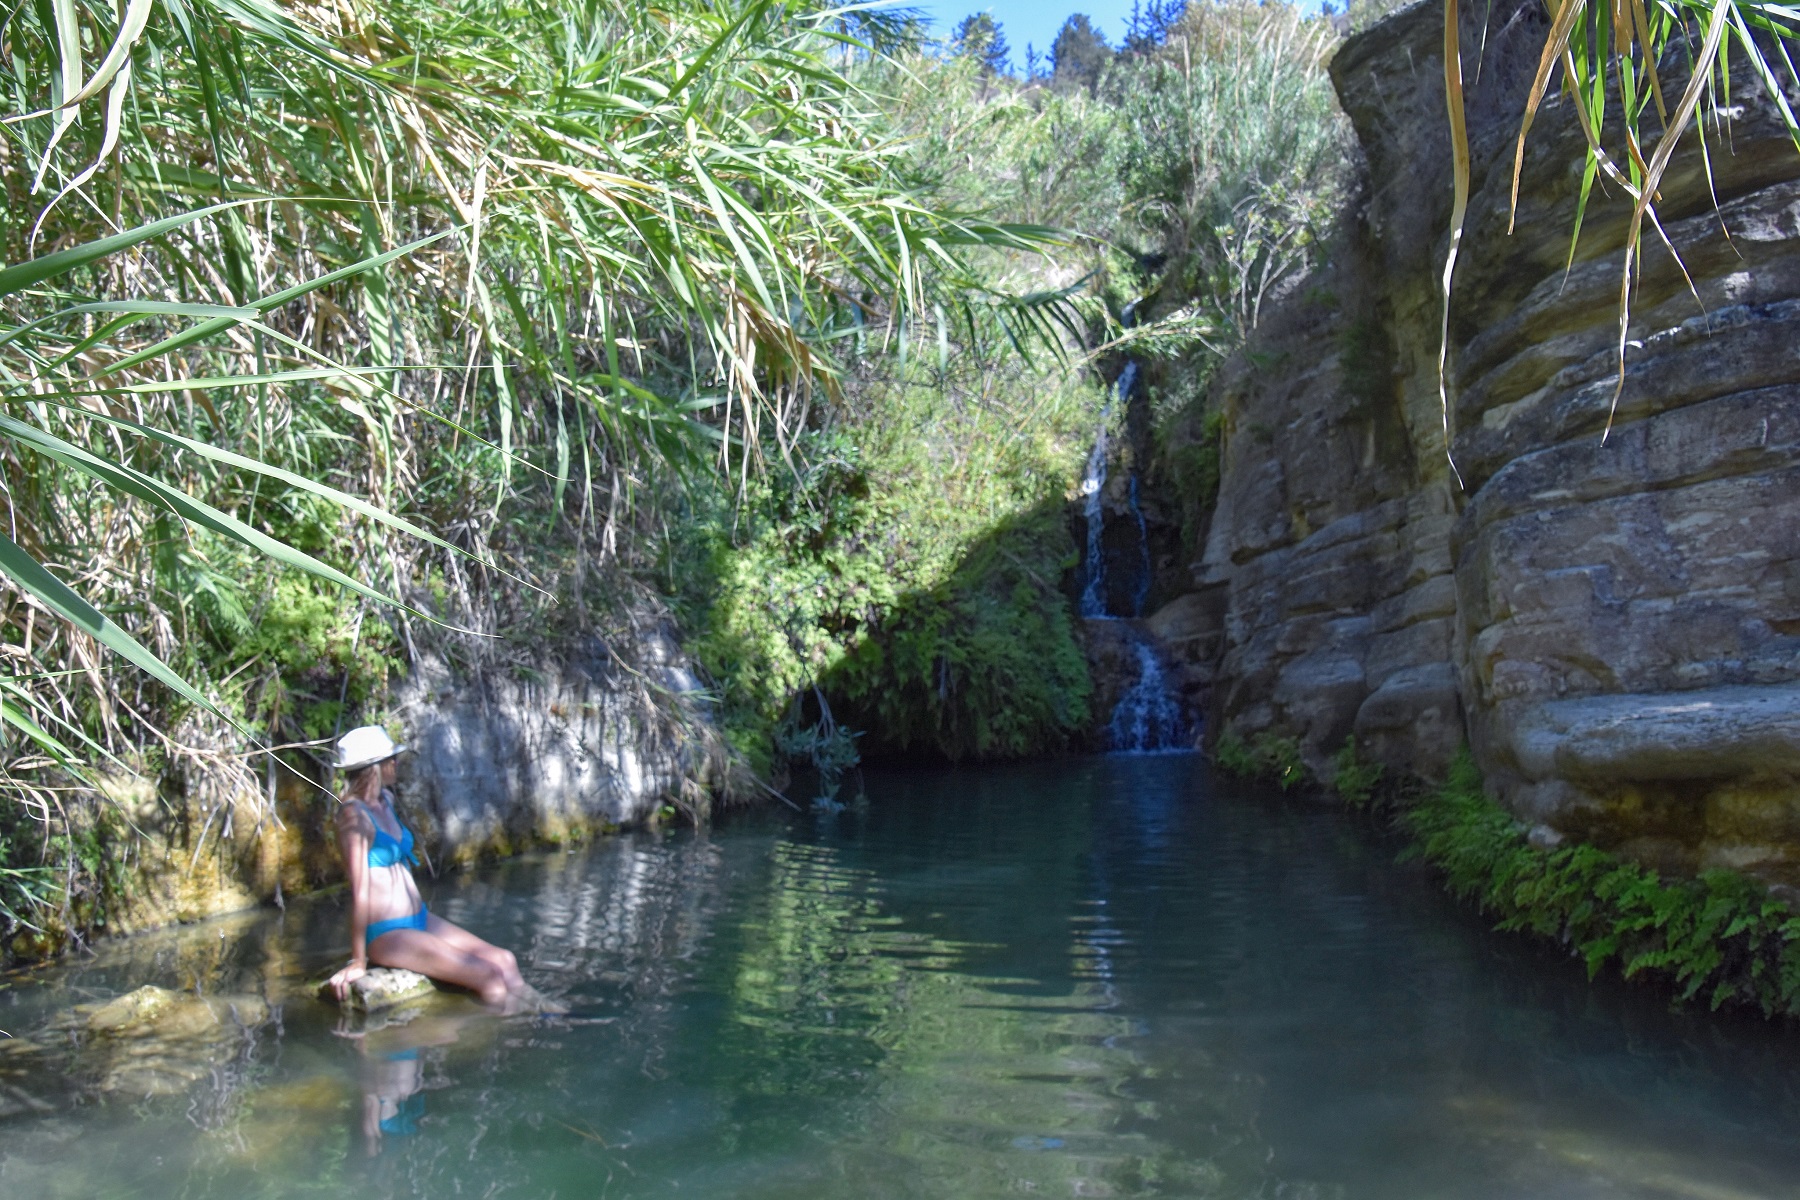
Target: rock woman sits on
[(389, 925)]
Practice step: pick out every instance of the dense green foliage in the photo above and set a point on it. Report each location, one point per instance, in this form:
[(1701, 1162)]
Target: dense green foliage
[(924, 602), (493, 294), (1720, 938), (1237, 161), (912, 572), (911, 567), (495, 291)]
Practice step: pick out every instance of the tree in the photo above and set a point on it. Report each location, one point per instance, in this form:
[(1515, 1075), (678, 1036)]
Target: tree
[(978, 36), (1078, 54), (1149, 24)]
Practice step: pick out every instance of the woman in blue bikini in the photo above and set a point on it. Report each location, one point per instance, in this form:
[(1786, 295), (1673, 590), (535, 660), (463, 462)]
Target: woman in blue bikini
[(389, 925)]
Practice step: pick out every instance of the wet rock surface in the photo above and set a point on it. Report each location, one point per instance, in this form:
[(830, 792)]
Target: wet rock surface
[(381, 988), (1612, 623), (147, 1042)]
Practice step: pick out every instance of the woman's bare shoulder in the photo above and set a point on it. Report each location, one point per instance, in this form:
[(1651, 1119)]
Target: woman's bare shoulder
[(353, 818)]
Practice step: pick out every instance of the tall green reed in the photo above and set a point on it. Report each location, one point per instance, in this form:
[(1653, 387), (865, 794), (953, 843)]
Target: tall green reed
[(424, 301)]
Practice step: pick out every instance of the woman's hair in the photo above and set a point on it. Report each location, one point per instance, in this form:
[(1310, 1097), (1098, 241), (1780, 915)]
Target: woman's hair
[(364, 785)]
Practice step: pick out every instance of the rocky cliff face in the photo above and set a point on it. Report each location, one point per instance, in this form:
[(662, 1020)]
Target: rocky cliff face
[(1612, 623), (557, 749)]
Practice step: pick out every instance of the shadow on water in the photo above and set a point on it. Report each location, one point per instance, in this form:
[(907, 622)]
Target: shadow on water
[(1088, 977)]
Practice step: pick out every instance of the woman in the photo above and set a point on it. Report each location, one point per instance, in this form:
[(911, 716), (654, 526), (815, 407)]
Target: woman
[(389, 925)]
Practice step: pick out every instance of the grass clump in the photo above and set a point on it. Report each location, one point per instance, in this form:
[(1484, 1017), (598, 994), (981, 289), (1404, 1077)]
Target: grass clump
[(1721, 938), (1265, 758)]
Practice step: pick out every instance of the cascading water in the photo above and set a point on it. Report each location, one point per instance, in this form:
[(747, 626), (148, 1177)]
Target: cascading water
[(1147, 717), (1093, 591), (1093, 484), (1141, 594)]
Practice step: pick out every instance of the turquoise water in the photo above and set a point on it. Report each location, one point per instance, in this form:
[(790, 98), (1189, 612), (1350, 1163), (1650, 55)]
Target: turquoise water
[(1104, 977)]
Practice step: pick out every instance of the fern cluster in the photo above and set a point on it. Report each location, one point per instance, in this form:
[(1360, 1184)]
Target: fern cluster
[(1721, 937), (1353, 777)]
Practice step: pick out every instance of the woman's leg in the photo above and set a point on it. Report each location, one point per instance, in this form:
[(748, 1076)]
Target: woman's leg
[(461, 939), (432, 956)]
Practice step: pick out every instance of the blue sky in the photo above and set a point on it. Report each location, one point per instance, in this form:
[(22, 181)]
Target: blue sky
[(1035, 21), (1030, 21)]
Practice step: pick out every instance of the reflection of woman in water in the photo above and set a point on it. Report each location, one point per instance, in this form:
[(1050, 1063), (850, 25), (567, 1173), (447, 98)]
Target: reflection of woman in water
[(393, 1076), (389, 925)]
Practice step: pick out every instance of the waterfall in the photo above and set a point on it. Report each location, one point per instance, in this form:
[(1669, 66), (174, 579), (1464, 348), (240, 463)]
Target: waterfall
[(1148, 717), (1093, 483), (1141, 595), (1093, 592)]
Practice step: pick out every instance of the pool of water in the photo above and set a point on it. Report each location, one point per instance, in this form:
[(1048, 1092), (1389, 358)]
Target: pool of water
[(1104, 977)]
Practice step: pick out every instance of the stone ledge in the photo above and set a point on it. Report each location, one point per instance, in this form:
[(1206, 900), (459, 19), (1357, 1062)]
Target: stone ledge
[(1712, 733)]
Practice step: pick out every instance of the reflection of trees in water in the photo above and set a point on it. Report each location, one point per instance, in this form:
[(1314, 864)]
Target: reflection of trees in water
[(949, 1082), (1005, 982), (755, 1015)]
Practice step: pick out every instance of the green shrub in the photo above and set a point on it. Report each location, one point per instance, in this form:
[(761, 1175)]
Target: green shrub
[(1266, 758), (1721, 937), (1236, 158)]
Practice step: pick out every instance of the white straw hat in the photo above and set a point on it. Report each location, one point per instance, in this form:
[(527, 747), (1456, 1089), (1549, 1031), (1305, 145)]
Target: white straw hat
[(363, 747)]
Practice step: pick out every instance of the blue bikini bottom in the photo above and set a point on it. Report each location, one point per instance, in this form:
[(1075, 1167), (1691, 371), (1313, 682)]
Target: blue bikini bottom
[(416, 921), (406, 1116)]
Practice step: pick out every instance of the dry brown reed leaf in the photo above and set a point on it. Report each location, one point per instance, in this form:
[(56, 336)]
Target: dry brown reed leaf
[(1459, 209)]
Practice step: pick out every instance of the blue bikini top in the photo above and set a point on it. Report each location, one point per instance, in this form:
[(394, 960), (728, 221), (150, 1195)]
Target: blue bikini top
[(390, 851)]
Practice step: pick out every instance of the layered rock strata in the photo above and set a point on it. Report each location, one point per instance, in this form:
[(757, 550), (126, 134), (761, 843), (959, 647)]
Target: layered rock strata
[(1610, 616)]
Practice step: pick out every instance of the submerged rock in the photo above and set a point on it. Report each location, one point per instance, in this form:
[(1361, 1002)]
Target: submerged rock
[(147, 1042), (131, 1009), (154, 1012)]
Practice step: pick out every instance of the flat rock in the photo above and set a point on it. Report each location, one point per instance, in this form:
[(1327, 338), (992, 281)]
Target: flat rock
[(133, 1009), (152, 1041), (382, 988)]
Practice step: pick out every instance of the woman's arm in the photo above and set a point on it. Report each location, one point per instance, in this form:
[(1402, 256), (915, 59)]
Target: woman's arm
[(356, 833)]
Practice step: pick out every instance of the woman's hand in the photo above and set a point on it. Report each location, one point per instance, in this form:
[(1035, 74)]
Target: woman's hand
[(340, 983)]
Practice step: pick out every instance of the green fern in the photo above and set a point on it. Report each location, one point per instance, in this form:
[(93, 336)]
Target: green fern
[(1352, 777), (1721, 936)]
